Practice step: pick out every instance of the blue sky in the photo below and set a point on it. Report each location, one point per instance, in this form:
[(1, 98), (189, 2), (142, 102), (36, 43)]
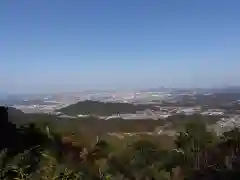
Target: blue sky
[(63, 45)]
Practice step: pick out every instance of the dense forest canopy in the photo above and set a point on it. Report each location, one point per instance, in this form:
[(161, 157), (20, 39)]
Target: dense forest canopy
[(42, 150)]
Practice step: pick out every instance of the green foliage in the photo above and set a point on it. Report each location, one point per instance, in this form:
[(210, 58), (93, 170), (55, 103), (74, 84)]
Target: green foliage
[(100, 108), (50, 154)]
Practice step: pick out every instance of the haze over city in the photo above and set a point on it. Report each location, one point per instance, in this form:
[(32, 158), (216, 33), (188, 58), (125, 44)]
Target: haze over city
[(57, 46)]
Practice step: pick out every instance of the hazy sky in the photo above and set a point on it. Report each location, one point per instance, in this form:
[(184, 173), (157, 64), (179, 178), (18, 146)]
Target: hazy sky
[(59, 45)]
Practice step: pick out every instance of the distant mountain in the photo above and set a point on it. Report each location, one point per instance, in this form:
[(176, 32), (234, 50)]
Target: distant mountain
[(157, 89), (229, 89)]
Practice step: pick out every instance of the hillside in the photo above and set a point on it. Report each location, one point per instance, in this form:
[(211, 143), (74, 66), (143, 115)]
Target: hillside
[(16, 116), (101, 108), (71, 149)]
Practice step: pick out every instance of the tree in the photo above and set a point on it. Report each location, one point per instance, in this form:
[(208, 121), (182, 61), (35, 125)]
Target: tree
[(190, 144)]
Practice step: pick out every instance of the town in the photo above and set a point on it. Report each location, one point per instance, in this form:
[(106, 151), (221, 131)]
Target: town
[(141, 105)]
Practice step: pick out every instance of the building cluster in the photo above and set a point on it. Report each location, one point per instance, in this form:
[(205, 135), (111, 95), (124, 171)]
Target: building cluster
[(214, 112), (226, 124), (161, 113), (165, 112), (36, 108)]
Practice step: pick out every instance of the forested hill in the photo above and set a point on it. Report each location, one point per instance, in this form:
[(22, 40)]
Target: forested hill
[(101, 108), (19, 118), (16, 116)]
